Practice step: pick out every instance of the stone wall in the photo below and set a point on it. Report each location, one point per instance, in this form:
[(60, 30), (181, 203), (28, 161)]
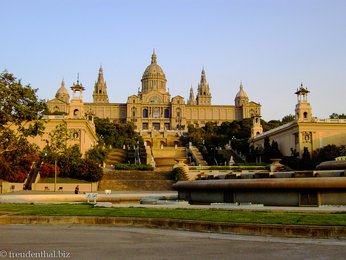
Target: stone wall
[(136, 181)]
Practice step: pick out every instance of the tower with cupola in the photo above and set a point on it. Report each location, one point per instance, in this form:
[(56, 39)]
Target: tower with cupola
[(303, 108), (76, 105)]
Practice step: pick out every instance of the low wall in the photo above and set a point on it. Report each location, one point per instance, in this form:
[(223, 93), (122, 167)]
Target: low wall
[(136, 181), (11, 186), (299, 191), (70, 187)]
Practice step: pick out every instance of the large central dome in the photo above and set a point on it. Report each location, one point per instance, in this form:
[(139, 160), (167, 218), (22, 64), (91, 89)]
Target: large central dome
[(153, 77)]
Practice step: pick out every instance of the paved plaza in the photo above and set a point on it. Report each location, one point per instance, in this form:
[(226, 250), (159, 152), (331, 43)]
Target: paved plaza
[(106, 242), (132, 198)]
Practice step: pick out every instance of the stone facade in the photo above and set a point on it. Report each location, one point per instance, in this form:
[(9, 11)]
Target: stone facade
[(305, 131), (79, 122), (153, 108)]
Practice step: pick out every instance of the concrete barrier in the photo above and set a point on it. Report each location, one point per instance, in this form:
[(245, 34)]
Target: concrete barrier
[(192, 225), (70, 187)]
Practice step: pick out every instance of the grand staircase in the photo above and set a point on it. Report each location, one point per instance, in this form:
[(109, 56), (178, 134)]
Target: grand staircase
[(115, 156), (197, 156), (166, 157)]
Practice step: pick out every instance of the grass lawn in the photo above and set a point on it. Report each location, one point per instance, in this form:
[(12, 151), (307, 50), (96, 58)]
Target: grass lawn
[(61, 180), (265, 217)]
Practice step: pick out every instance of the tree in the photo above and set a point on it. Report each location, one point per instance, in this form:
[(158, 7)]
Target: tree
[(20, 114), (329, 153), (116, 134), (287, 119), (97, 153), (271, 124), (337, 116), (58, 137)]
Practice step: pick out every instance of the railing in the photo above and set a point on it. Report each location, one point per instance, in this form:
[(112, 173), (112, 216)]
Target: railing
[(328, 120), (192, 150)]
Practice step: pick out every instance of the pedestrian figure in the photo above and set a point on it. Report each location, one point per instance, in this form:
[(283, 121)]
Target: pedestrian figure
[(76, 190)]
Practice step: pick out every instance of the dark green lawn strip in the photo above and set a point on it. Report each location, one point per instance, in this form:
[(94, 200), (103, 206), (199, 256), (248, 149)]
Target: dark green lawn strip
[(263, 217), (61, 180)]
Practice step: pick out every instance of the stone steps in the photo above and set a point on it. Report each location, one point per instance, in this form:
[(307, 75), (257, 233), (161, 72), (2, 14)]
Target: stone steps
[(115, 156), (199, 156)]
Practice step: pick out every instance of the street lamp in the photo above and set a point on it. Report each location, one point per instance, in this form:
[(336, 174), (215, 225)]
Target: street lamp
[(137, 154), (55, 165), (55, 172)]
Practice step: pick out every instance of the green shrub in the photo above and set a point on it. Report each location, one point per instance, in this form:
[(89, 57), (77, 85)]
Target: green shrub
[(178, 174), (139, 167)]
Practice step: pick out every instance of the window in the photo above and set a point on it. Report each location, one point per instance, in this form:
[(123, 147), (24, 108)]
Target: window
[(156, 112), (156, 126), (145, 113), (305, 114), (166, 113), (145, 126), (178, 112)]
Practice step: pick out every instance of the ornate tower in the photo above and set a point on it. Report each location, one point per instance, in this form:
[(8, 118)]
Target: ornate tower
[(77, 105), (256, 126), (241, 98), (203, 92), (303, 108), (62, 93), (191, 100), (153, 77), (100, 90)]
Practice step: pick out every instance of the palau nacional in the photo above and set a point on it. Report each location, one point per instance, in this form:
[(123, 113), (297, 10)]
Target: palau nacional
[(162, 119), (157, 116)]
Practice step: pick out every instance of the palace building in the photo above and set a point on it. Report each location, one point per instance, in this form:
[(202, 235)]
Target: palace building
[(154, 113), (306, 132)]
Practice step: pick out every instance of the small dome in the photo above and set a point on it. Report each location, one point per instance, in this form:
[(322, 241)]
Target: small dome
[(153, 70), (241, 93), (62, 93), (153, 77), (62, 89)]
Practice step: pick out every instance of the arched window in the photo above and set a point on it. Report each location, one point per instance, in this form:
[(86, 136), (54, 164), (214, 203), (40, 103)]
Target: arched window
[(178, 112), (166, 113), (145, 113), (305, 114)]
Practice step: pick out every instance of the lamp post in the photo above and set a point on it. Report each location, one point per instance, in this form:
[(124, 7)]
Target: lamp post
[(232, 141), (137, 154), (55, 165), (55, 173)]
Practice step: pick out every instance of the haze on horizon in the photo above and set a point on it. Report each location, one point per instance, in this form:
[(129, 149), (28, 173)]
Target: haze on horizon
[(271, 46)]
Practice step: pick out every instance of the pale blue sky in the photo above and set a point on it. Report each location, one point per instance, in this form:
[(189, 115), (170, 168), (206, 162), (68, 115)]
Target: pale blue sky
[(270, 45)]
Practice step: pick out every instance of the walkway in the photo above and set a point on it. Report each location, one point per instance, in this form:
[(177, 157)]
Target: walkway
[(109, 242), (131, 199)]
